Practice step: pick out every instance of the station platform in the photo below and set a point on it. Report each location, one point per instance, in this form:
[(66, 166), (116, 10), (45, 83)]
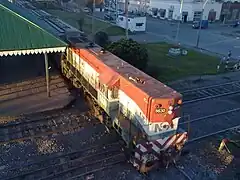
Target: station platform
[(31, 97)]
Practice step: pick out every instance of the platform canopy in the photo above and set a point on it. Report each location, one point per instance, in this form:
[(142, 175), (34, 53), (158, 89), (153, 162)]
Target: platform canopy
[(20, 34)]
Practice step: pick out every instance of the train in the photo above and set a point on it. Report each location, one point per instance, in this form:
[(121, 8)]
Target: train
[(142, 110)]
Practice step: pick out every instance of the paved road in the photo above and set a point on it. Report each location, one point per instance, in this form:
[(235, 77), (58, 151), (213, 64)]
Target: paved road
[(211, 39)]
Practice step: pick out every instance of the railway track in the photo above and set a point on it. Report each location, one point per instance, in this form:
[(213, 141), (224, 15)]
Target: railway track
[(184, 173), (206, 126), (79, 164), (41, 125), (210, 92)]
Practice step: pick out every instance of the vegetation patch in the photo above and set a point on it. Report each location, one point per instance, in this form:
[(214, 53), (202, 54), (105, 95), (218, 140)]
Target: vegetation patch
[(168, 68), (73, 19)]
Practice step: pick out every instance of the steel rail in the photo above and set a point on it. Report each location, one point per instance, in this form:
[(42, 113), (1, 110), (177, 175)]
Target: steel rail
[(183, 172), (45, 168), (211, 97), (36, 86), (32, 81), (212, 134), (40, 134), (109, 165), (62, 155), (31, 117), (40, 123), (29, 121), (228, 91), (210, 116), (207, 87), (79, 167)]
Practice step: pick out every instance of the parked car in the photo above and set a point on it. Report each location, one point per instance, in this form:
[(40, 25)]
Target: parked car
[(110, 17), (236, 24), (86, 10), (196, 25)]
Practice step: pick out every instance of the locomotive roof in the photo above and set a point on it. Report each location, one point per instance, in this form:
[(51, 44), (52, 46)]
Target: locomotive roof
[(150, 85)]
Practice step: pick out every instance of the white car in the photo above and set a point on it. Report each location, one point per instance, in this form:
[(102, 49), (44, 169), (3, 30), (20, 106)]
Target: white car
[(86, 10)]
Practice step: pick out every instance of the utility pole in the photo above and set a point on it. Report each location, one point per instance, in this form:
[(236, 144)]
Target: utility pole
[(116, 9), (200, 25), (179, 21), (126, 17), (93, 20), (47, 74)]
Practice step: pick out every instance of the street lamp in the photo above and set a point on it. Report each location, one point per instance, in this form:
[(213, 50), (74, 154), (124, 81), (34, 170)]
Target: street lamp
[(200, 26), (178, 27), (93, 20), (116, 9), (126, 17)]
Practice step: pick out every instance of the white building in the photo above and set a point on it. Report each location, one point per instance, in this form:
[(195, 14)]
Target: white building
[(191, 10), (135, 23), (170, 9)]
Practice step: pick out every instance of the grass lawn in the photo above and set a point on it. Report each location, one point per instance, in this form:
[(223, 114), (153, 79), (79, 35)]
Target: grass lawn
[(72, 18), (172, 68)]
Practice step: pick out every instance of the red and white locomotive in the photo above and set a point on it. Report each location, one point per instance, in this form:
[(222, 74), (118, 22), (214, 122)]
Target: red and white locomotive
[(144, 111)]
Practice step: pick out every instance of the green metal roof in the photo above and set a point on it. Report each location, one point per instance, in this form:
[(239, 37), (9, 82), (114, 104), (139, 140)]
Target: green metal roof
[(19, 33)]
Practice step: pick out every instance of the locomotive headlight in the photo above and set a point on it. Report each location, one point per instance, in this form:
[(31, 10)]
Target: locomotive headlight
[(170, 112), (170, 108)]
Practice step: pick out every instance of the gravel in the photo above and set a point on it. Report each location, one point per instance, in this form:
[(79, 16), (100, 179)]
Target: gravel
[(203, 161)]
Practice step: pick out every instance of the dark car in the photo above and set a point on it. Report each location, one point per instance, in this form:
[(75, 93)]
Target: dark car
[(109, 17), (204, 25)]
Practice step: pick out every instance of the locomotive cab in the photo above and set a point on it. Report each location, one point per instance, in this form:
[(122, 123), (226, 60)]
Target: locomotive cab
[(164, 116)]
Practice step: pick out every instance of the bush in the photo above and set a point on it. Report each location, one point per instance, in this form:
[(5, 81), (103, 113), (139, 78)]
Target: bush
[(101, 38), (130, 51)]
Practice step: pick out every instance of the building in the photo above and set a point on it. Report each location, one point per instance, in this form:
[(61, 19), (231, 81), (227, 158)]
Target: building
[(170, 9), (191, 10), (135, 23), (230, 11)]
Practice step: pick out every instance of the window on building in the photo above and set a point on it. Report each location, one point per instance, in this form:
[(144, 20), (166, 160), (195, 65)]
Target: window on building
[(103, 89), (114, 93), (139, 24), (170, 14), (162, 13), (154, 11), (197, 16)]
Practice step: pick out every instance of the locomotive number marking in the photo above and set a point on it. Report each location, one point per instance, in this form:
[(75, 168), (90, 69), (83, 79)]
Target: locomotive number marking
[(160, 110), (164, 126)]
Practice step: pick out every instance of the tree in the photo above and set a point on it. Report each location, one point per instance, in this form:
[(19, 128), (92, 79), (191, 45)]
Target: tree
[(101, 38), (131, 52)]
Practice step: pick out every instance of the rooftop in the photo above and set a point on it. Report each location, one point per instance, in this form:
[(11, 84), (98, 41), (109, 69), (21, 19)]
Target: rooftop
[(22, 30), (146, 83)]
